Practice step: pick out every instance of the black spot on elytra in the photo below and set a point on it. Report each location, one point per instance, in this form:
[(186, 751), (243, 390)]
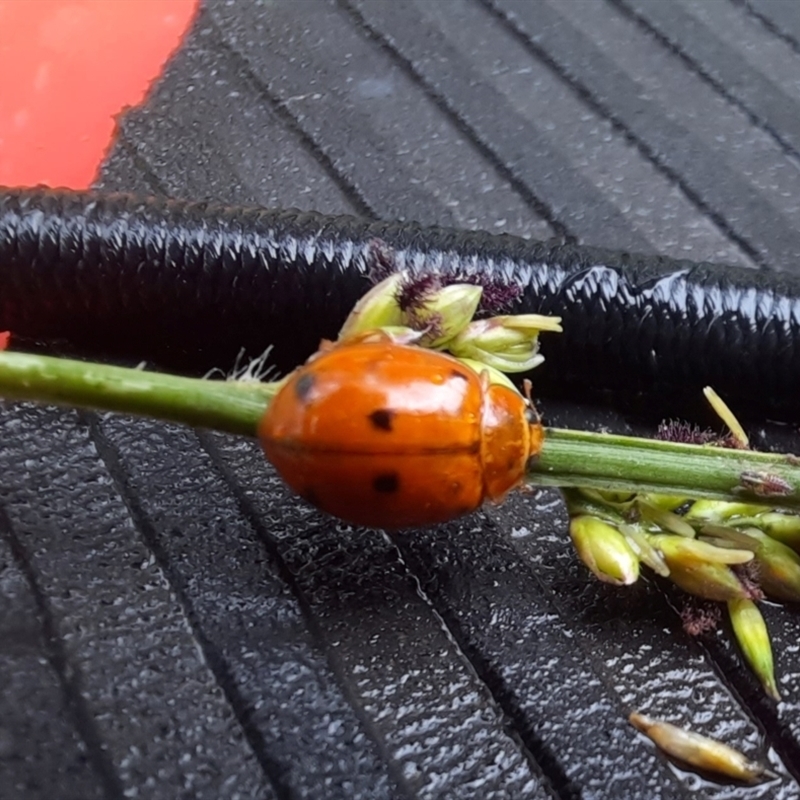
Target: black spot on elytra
[(303, 386), (382, 419), (457, 373), (386, 483)]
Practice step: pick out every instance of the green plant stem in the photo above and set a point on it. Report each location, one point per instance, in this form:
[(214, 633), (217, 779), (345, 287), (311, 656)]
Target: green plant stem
[(630, 464), (568, 458), (232, 406)]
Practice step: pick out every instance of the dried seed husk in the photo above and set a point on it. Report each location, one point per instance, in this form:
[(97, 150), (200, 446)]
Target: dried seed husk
[(700, 751), (727, 416)]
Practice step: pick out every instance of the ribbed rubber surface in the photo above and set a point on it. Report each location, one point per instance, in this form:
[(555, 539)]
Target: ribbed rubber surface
[(174, 623), (206, 285)]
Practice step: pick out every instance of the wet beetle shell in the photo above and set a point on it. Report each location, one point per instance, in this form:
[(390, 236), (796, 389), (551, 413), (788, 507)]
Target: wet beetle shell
[(392, 436)]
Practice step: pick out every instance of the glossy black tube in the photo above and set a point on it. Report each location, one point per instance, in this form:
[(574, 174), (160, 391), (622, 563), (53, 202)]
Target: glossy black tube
[(187, 286)]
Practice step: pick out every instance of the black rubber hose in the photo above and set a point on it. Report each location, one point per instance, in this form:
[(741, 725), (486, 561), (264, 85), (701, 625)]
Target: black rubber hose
[(187, 286)]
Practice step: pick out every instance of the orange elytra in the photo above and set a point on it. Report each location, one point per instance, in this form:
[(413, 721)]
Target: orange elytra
[(392, 436)]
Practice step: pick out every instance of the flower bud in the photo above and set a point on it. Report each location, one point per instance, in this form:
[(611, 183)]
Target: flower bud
[(604, 550), (666, 520), (719, 511), (646, 553), (589, 502), (397, 334), (378, 308), (700, 568), (668, 502), (778, 567), (446, 312), (785, 528), (620, 501), (751, 633), (681, 548), (509, 343)]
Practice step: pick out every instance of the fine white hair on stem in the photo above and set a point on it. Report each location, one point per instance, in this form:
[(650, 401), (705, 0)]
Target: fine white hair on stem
[(215, 372), (257, 370)]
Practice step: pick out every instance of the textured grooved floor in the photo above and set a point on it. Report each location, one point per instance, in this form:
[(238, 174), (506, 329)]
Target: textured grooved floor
[(175, 624)]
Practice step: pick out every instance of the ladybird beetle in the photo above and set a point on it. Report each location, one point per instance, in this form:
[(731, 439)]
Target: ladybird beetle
[(389, 435)]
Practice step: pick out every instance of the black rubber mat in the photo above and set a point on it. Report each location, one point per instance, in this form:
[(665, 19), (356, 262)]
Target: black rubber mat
[(175, 624)]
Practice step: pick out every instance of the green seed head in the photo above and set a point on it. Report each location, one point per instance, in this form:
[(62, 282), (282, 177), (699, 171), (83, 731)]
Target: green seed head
[(753, 638), (718, 511), (446, 313), (664, 519), (682, 550), (783, 527), (778, 568), (509, 343), (378, 308), (700, 568), (604, 550)]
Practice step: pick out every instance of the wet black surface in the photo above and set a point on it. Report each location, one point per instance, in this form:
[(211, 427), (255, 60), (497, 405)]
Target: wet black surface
[(175, 624), (206, 284)]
